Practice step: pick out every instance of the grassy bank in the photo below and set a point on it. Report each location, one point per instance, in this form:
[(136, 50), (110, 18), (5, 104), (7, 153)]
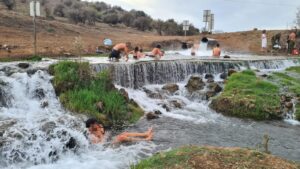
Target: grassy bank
[(246, 96), (80, 91), (213, 158)]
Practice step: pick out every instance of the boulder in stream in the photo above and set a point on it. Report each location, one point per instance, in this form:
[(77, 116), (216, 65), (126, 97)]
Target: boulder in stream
[(209, 76), (172, 88), (39, 93), (23, 65), (151, 116), (223, 75), (195, 83)]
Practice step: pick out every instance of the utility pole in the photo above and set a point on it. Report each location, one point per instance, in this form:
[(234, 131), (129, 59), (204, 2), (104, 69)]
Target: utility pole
[(206, 16), (34, 12), (185, 27), (34, 26)]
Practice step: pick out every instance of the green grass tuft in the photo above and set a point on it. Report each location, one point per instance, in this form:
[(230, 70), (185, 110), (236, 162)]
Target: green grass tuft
[(80, 91), (189, 157), (246, 96), (294, 69)]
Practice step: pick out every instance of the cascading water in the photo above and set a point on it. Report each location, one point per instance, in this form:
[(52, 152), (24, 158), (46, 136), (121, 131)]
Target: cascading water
[(36, 132), (135, 75), (193, 122)]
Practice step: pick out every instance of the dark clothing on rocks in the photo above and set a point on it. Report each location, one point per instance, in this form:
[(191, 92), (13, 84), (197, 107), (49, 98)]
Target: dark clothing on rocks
[(291, 46), (115, 54)]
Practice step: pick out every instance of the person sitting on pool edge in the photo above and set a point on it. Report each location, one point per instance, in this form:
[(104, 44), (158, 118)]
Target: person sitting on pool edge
[(137, 53), (96, 133), (216, 51), (157, 53), (118, 49)]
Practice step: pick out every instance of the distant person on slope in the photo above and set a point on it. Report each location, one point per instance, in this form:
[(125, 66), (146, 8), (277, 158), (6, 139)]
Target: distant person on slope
[(216, 51), (291, 42), (118, 49), (96, 133), (264, 41), (156, 52)]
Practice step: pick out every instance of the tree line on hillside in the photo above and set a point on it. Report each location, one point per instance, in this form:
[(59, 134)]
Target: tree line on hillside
[(91, 12)]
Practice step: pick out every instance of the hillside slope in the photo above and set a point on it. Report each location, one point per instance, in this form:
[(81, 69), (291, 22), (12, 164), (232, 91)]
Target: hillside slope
[(53, 35), (56, 37)]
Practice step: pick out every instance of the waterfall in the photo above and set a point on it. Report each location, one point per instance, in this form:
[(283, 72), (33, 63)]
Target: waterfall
[(36, 132), (138, 74)]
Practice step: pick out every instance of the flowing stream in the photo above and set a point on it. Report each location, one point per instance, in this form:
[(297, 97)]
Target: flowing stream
[(36, 131)]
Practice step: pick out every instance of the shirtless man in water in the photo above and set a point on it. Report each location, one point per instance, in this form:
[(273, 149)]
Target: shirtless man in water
[(118, 49), (216, 51), (156, 52), (97, 131)]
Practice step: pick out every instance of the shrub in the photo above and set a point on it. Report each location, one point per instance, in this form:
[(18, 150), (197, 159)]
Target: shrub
[(158, 25), (90, 16), (48, 11), (68, 2), (10, 4), (143, 23), (127, 19), (76, 16), (101, 6), (59, 10), (44, 2), (111, 19)]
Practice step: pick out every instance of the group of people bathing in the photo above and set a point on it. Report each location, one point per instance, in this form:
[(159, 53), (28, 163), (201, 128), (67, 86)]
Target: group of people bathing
[(137, 53), (156, 53)]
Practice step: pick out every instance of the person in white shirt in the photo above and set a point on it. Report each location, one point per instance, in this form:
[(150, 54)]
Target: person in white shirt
[(264, 41)]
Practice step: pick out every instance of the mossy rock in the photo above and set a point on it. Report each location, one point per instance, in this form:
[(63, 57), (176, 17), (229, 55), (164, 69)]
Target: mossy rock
[(247, 96)]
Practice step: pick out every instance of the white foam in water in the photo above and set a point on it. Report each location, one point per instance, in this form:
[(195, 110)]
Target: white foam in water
[(196, 111), (38, 137)]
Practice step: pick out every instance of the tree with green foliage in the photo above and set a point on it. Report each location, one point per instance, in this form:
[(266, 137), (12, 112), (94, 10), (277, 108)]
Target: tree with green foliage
[(143, 23), (100, 6), (90, 16), (158, 25), (68, 3), (59, 10), (170, 27), (111, 19), (127, 19)]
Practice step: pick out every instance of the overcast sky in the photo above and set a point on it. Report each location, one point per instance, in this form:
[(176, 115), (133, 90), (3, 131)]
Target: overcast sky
[(230, 15)]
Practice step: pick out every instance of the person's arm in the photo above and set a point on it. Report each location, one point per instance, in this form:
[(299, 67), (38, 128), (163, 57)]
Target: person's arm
[(126, 52)]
